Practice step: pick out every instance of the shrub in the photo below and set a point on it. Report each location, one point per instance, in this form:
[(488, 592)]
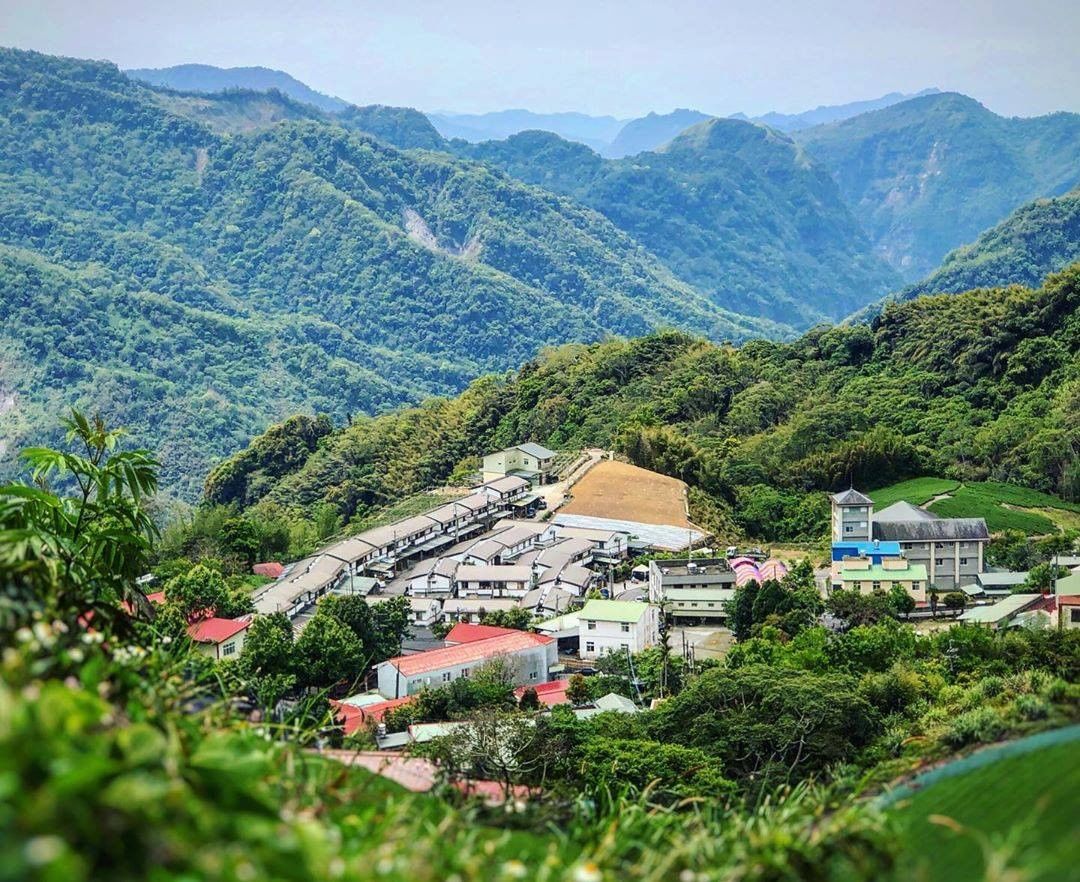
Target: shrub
[(974, 726), (1031, 707)]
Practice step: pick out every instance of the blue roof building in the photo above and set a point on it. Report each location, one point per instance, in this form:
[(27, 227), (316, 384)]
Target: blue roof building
[(874, 550)]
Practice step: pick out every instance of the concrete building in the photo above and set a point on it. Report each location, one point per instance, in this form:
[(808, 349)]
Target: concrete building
[(861, 574), (493, 581), (219, 638), (616, 626), (692, 588), (951, 549), (530, 461), (851, 513), (530, 657), (1013, 611)]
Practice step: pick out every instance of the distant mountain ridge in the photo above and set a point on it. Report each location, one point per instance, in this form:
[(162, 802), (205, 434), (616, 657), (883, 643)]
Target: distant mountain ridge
[(595, 131), (927, 175), (208, 78), (734, 209), (827, 113)]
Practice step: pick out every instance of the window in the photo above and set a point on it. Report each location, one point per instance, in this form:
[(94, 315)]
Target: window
[(963, 561), (625, 627), (590, 646), (857, 586), (875, 586), (1074, 616), (464, 672), (590, 626), (532, 675), (229, 648), (625, 646), (940, 561), (915, 586), (446, 676)]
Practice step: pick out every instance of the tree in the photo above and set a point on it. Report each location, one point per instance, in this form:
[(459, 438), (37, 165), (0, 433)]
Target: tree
[(518, 618), (901, 602), (199, 593), (1041, 577), (577, 691), (955, 600), (327, 653), (65, 556), (529, 700)]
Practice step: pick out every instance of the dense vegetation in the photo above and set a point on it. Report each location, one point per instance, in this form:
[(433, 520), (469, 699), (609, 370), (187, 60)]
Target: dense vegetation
[(196, 285), (127, 754), (1038, 238), (928, 175), (982, 385), (734, 209)]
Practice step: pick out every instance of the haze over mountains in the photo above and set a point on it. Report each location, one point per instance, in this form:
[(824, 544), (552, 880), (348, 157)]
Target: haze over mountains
[(196, 263)]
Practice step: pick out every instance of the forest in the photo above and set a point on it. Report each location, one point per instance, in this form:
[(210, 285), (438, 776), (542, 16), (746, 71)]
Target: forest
[(978, 386)]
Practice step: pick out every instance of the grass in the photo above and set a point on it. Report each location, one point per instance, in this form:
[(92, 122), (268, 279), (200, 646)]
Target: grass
[(406, 508), (1003, 506), (917, 491), (1023, 806)]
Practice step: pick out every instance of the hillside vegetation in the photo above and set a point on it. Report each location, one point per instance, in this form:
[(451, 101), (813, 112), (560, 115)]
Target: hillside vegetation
[(197, 280), (732, 208), (928, 175), (979, 385)]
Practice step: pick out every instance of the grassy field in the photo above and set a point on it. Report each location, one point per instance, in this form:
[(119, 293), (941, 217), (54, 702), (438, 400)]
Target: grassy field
[(1022, 809), (917, 491), (1004, 506)]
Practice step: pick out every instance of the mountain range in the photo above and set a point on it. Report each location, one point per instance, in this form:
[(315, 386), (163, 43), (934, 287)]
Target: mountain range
[(198, 263)]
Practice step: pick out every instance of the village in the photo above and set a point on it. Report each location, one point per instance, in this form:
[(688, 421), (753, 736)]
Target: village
[(590, 558)]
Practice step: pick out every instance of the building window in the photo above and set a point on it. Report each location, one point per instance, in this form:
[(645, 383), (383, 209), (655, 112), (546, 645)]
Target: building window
[(857, 586), (939, 561), (532, 675), (464, 672), (875, 586), (590, 646), (1074, 616), (625, 646), (590, 626), (228, 648), (963, 561), (625, 628), (446, 677), (915, 586)]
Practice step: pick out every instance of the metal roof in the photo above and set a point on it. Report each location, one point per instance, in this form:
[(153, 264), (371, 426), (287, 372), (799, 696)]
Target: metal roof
[(903, 511), (852, 496), (479, 650), (935, 530), (877, 573), (663, 537), (1003, 609), (537, 450), (629, 611)]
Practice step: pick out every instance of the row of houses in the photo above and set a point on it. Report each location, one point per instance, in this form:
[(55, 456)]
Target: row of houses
[(379, 552)]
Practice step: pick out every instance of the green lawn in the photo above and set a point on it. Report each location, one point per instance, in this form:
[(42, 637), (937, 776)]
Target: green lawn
[(1026, 804), (1004, 506), (917, 491)]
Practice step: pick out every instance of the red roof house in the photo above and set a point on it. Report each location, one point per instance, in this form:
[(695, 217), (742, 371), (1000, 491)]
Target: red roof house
[(272, 570), (550, 694), (463, 632)]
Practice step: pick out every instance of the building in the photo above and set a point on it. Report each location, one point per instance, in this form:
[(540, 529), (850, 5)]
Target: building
[(617, 626), (530, 657), (692, 588), (530, 461), (493, 581), (861, 574), (876, 551), (851, 516), (1000, 584), (219, 638), (951, 549), (1012, 611), (1068, 610)]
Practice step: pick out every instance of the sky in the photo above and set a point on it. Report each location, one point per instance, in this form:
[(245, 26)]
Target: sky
[(619, 57)]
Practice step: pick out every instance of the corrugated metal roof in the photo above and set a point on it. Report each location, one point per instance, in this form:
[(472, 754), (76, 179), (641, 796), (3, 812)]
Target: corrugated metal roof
[(479, 650), (665, 538), (1004, 608), (537, 450), (613, 611), (935, 530), (852, 497)]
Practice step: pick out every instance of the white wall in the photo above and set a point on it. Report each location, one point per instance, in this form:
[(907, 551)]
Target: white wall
[(610, 637)]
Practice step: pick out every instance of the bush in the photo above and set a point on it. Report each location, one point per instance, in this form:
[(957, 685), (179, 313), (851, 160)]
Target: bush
[(974, 726), (1031, 707)]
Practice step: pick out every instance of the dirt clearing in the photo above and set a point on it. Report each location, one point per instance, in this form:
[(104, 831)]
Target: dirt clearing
[(621, 491)]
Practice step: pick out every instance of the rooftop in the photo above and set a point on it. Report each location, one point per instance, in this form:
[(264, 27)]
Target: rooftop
[(629, 611), (476, 651), (869, 548), (468, 573), (932, 530), (215, 630), (852, 496), (1003, 609), (903, 511), (878, 573), (463, 632), (536, 450)]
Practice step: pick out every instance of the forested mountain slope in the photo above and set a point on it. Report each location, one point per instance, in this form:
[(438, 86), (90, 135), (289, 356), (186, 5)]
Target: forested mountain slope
[(1039, 238), (928, 175), (734, 209), (984, 384), (194, 285)]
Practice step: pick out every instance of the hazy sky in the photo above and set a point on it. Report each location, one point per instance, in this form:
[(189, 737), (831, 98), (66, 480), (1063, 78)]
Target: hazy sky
[(596, 56)]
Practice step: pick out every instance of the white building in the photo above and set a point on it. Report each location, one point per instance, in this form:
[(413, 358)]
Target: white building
[(530, 656), (530, 461), (616, 626)]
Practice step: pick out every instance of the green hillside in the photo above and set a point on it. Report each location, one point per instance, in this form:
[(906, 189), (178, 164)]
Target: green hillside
[(928, 175), (1009, 805), (1039, 238), (734, 209), (196, 278), (973, 386)]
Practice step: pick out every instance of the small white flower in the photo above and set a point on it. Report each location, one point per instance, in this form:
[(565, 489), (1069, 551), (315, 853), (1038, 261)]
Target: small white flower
[(43, 850), (24, 635), (514, 870), (587, 872)]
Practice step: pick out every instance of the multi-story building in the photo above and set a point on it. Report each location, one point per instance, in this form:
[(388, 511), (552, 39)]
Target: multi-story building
[(692, 588), (863, 575), (951, 549), (530, 461), (617, 626)]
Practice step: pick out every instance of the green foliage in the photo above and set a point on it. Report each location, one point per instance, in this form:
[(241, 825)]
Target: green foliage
[(917, 491), (211, 283), (490, 688), (769, 426), (518, 618), (577, 691), (787, 606)]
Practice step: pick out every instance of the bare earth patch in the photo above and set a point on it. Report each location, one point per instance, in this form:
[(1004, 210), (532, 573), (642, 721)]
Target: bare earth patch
[(618, 490)]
